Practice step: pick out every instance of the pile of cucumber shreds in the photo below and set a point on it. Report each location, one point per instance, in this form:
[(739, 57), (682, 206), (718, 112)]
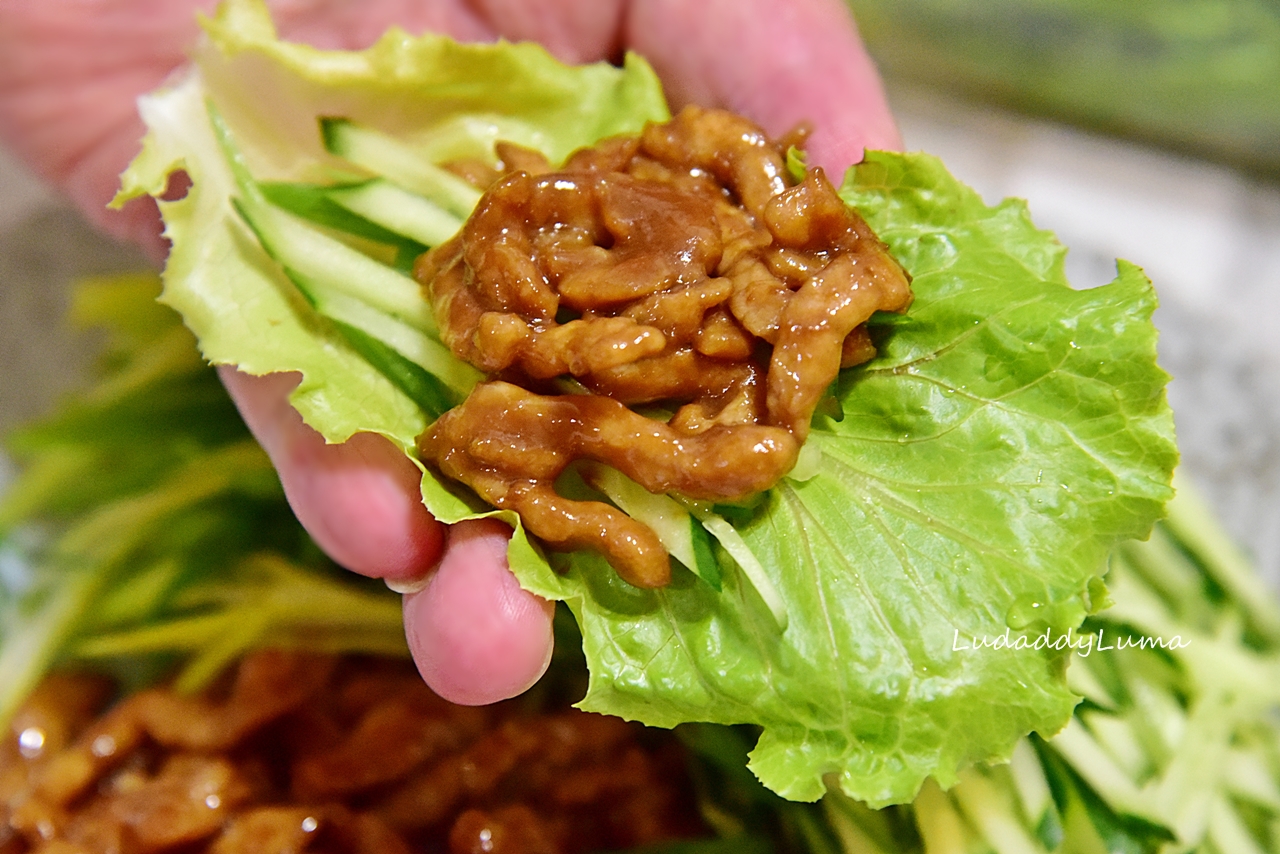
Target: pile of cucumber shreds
[(146, 534)]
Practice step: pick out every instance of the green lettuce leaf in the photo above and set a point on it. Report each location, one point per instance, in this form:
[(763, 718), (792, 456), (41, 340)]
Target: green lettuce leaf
[(1011, 430), (1009, 433)]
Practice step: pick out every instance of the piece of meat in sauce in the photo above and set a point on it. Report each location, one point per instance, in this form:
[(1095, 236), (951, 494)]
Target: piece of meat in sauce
[(702, 300), (307, 753)]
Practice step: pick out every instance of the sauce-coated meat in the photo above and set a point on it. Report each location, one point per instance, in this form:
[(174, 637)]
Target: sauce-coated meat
[(681, 271), (306, 753)]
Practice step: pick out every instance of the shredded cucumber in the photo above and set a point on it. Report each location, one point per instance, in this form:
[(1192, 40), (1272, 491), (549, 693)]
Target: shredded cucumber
[(732, 542), (679, 532), (389, 157), (398, 210)]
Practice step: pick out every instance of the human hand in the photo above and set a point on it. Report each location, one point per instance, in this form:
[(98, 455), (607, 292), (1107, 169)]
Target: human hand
[(69, 74)]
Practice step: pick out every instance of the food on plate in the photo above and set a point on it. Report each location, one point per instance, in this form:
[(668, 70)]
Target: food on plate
[(193, 561), (305, 752), (969, 479)]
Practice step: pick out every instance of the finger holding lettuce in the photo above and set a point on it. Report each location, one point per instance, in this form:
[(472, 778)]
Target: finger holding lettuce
[(477, 635)]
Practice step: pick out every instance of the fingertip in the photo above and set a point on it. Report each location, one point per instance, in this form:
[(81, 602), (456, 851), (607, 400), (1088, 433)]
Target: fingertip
[(476, 635), (360, 500)]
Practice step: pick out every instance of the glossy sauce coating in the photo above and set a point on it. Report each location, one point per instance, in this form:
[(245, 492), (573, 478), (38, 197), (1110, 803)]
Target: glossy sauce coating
[(309, 753), (681, 272)]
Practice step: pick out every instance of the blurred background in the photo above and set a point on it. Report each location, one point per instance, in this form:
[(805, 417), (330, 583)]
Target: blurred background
[(1143, 129)]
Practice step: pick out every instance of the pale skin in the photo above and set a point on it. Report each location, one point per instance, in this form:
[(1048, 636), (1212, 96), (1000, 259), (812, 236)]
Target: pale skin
[(71, 69)]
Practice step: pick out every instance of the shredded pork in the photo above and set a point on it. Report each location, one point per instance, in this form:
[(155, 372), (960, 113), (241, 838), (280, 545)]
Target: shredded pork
[(681, 272), (304, 753)]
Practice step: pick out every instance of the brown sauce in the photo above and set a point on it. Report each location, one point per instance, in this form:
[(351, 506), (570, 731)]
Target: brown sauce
[(680, 271), (315, 754)]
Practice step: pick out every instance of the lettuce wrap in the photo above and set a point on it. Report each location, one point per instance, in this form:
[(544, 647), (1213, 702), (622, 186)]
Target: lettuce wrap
[(1009, 433)]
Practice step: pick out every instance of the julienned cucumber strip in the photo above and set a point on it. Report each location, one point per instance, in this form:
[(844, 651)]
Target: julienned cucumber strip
[(676, 528), (728, 537), (392, 207), (347, 292), (1194, 525), (450, 373), (704, 553), (939, 824), (333, 267), (421, 387), (411, 360), (1077, 802), (321, 260), (687, 532), (989, 807), (315, 203), (1028, 781), (391, 158)]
